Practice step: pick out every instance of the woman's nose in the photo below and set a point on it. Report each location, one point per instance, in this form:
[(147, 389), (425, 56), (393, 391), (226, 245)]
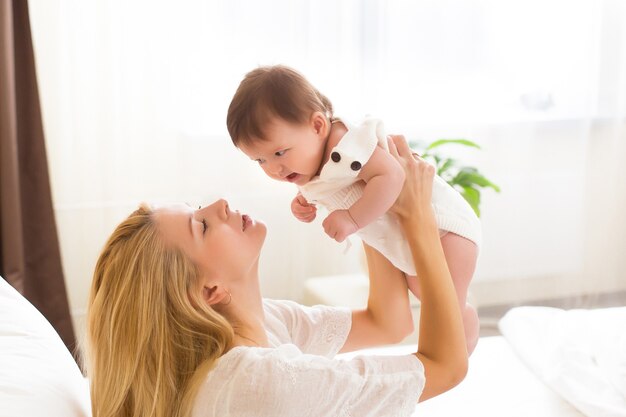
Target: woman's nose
[(223, 209), (219, 208)]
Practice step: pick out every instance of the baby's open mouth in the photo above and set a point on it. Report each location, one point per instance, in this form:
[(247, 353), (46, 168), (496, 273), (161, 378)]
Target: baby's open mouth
[(292, 177)]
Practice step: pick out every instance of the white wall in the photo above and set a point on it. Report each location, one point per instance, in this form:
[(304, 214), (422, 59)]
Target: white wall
[(193, 173), (557, 228), (535, 232)]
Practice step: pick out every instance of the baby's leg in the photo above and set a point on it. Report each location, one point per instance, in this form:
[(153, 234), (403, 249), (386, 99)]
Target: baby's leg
[(461, 255)]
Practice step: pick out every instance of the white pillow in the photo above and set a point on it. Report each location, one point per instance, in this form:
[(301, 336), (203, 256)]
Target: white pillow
[(38, 376)]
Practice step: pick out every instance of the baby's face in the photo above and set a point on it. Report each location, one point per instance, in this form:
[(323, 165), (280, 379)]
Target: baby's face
[(292, 152)]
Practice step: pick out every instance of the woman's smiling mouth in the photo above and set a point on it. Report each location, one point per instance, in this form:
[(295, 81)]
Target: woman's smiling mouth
[(245, 221)]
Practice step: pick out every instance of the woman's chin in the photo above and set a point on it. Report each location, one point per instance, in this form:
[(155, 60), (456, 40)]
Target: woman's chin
[(263, 229), (258, 228)]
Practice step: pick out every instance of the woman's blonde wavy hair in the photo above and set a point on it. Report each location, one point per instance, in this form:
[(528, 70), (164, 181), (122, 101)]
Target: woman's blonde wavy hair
[(151, 338)]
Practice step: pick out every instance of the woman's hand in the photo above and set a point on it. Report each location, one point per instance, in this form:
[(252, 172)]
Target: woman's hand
[(417, 191)]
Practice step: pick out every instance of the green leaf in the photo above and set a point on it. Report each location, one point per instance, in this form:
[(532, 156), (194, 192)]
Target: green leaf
[(467, 180), (469, 176), (472, 196), (464, 142), (447, 164)]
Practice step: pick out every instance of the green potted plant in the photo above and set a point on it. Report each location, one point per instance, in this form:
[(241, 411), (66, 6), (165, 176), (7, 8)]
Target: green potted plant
[(467, 180)]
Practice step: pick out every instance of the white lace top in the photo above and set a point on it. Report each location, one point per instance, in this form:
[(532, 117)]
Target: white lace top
[(298, 377)]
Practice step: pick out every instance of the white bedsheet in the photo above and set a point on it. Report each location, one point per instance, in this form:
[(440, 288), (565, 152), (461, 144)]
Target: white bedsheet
[(497, 384), (580, 354)]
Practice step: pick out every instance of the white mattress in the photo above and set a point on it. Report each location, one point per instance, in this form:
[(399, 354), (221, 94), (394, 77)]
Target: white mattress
[(580, 354), (497, 384)]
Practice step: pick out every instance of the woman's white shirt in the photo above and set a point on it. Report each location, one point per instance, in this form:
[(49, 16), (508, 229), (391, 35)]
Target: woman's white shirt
[(298, 375)]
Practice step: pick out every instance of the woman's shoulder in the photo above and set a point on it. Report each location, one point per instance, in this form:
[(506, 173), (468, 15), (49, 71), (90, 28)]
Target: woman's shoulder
[(248, 357), (273, 304), (280, 313), (295, 315), (319, 329), (288, 310)]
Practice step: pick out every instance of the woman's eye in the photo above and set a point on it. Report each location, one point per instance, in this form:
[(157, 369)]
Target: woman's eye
[(204, 226), (280, 153)]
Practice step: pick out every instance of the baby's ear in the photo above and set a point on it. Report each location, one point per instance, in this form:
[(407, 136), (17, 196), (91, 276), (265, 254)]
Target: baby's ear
[(319, 122)]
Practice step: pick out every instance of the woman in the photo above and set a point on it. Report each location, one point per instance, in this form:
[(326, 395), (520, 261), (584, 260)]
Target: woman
[(177, 325)]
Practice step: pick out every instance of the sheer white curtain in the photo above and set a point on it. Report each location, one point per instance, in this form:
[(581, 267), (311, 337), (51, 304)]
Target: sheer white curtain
[(135, 94), (134, 98), (541, 85), (605, 180)]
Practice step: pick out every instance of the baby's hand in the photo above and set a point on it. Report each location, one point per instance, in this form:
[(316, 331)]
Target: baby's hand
[(302, 209), (339, 225)]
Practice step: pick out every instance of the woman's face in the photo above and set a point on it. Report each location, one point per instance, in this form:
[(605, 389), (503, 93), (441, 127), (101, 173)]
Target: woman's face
[(225, 244)]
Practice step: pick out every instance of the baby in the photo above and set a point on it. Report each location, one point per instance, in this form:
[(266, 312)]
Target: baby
[(278, 119)]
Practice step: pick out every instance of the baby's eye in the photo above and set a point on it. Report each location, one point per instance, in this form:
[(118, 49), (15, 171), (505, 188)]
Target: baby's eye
[(259, 161), (280, 153), (204, 226)]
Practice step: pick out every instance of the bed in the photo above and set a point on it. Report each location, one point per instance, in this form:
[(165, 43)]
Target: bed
[(38, 376), (497, 384), (534, 369), (548, 363)]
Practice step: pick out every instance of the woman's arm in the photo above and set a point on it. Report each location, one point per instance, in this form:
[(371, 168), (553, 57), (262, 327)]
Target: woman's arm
[(387, 318), (442, 348)]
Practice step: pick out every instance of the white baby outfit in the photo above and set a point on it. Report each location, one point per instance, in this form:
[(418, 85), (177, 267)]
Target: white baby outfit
[(297, 375), (338, 187)]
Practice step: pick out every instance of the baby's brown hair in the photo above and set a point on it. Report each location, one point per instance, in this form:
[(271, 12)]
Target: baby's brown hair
[(268, 92)]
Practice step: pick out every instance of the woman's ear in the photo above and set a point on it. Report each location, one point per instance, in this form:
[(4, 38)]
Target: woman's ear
[(215, 294)]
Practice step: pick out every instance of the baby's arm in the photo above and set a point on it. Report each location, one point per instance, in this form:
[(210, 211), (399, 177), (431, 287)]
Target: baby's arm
[(384, 178)]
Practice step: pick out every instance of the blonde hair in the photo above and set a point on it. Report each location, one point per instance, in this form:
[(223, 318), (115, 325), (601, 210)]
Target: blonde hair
[(272, 91), (150, 337)]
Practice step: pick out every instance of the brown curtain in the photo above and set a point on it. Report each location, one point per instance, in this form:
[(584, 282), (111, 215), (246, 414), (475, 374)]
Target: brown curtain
[(29, 250)]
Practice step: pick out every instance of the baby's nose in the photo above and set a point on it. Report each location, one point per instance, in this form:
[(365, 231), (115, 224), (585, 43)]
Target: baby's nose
[(276, 169)]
